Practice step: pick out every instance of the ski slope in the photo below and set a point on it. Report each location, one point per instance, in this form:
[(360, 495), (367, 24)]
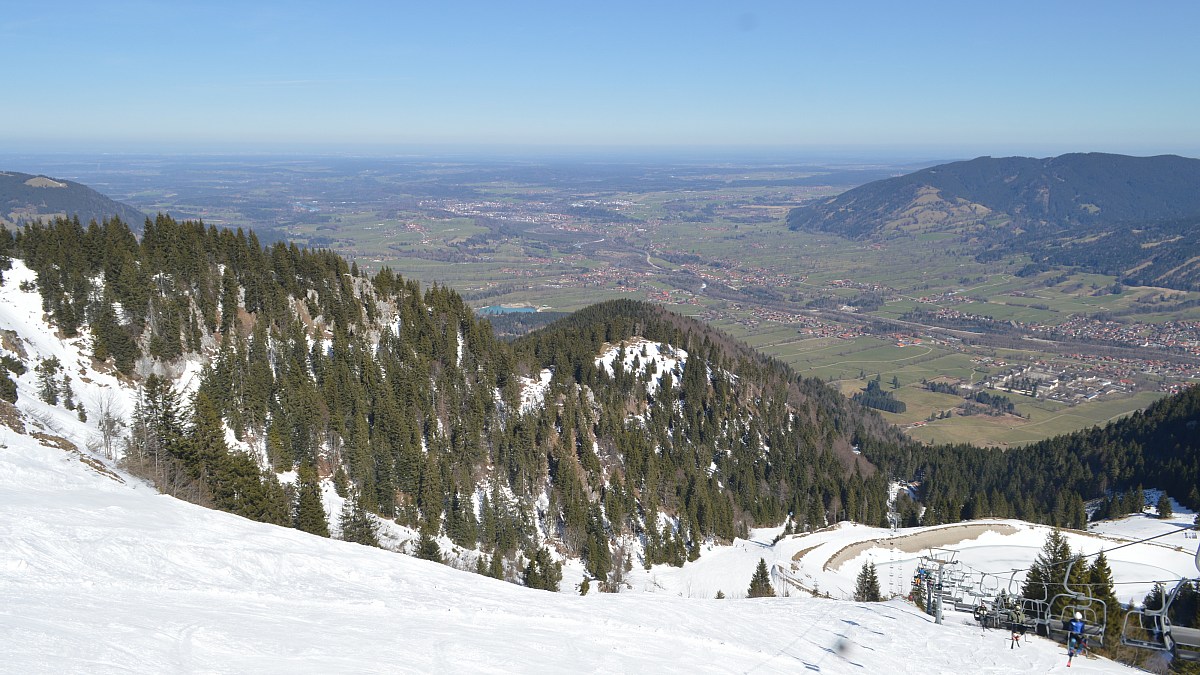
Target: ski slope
[(100, 574)]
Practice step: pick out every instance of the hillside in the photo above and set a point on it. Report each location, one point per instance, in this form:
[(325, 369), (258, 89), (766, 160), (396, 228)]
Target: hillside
[(1158, 446), (255, 376), (1131, 217), (27, 197)]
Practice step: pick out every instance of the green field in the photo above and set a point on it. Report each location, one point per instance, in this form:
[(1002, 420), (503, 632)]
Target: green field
[(1043, 422)]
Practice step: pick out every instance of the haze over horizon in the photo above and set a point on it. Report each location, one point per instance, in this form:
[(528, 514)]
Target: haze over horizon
[(758, 79)]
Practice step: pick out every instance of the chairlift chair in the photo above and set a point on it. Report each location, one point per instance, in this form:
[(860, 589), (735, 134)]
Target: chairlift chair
[(1032, 613), (1093, 609), (1152, 629)]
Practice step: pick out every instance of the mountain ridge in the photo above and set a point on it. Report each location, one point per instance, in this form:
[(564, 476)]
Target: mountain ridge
[(1130, 217), (1076, 188), (25, 197)]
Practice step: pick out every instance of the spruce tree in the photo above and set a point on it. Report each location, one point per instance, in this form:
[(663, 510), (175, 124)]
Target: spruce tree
[(866, 587), (760, 583), (595, 548), (1045, 576), (356, 524), (8, 388), (310, 511), (542, 572), (496, 566), (48, 388), (1164, 506), (1100, 586), (428, 549)]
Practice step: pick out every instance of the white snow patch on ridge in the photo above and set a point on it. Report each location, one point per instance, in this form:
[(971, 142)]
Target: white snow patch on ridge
[(533, 391), (643, 355)]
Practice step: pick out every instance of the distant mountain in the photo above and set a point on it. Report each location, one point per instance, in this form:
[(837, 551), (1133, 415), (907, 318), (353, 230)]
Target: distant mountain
[(1132, 217), (25, 197)]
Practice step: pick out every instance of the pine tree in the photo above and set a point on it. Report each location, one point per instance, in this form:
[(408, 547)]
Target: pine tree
[(1100, 586), (595, 548), (1044, 580), (542, 572), (356, 524), (48, 388), (1164, 506), (496, 566), (866, 587), (428, 549), (310, 510), (8, 388), (760, 583), (1155, 598)]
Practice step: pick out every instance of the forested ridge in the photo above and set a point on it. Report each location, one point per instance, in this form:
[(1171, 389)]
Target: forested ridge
[(415, 410), (1050, 480), (26, 197), (1130, 217)]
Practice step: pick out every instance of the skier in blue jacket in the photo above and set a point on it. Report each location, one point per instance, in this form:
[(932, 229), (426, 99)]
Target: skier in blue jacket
[(1076, 640)]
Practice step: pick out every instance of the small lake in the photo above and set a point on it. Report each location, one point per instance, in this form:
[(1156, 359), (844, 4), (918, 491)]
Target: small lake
[(501, 309)]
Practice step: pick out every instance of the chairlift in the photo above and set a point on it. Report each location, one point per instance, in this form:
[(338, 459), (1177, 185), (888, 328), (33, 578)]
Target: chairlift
[(1030, 613), (1037, 611), (989, 588), (1000, 607), (1151, 629), (1093, 609), (965, 590)]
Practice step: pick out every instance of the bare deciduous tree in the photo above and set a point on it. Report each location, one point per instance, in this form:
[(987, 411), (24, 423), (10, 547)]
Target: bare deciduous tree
[(110, 421)]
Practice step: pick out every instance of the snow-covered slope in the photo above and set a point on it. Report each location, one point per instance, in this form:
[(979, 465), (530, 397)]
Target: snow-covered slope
[(102, 576), (27, 337)]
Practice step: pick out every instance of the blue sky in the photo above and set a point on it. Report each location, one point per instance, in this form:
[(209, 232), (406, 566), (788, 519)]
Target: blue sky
[(954, 78)]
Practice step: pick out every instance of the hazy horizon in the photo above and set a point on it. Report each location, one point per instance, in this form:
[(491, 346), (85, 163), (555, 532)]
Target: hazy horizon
[(699, 155)]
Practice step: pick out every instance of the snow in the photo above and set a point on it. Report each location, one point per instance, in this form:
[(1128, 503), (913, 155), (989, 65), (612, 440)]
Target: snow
[(99, 576), (33, 340), (994, 547), (661, 360), (533, 391)]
